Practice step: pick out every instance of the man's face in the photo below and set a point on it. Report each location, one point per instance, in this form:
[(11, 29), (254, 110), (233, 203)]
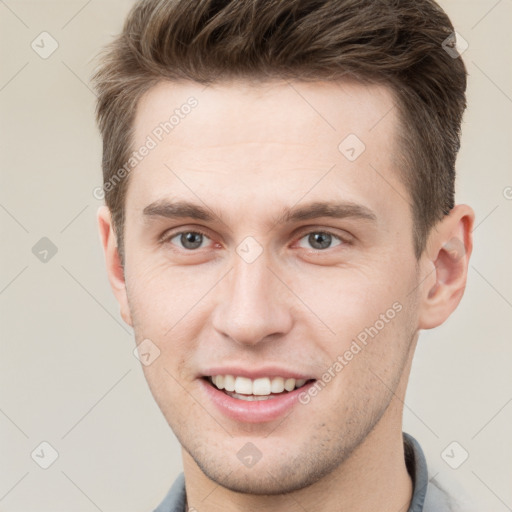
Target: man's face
[(255, 291)]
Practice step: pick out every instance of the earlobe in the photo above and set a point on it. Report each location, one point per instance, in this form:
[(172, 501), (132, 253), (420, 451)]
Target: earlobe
[(448, 250), (115, 270)]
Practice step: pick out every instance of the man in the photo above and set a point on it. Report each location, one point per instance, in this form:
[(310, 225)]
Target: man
[(279, 226)]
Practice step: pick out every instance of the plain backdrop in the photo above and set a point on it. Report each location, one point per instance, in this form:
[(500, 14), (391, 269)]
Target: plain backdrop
[(68, 376)]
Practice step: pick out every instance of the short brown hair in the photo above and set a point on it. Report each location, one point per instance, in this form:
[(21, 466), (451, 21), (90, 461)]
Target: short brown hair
[(400, 43)]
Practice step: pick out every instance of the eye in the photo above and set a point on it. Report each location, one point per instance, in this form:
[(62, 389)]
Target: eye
[(320, 240), (189, 240)]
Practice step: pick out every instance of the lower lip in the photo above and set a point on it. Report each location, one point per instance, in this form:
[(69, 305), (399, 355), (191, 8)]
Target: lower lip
[(256, 411)]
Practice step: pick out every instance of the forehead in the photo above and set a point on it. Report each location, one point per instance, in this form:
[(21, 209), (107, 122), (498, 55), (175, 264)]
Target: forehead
[(270, 140), (239, 108)]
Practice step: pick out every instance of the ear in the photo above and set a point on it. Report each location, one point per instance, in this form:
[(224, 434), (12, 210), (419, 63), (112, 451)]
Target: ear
[(445, 262), (115, 270)]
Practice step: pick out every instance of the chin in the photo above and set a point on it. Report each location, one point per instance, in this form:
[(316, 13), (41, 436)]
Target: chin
[(276, 481), (281, 474)]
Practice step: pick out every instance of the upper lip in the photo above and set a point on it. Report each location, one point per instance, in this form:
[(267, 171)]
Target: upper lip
[(255, 373)]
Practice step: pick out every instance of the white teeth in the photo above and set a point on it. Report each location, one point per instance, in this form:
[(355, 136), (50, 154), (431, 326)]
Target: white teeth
[(243, 385), (277, 385), (219, 381), (229, 382), (251, 398), (261, 387), (289, 384)]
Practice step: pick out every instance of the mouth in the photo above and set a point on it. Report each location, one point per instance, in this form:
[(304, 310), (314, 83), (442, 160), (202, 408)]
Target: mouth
[(252, 390), (254, 395)]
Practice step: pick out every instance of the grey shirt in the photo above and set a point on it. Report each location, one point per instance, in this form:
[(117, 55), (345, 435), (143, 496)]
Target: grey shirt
[(427, 496)]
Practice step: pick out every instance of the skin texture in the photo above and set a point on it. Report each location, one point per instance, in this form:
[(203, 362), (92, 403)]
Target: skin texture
[(247, 153)]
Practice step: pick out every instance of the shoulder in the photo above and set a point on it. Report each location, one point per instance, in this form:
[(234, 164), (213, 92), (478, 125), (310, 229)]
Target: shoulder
[(175, 499), (434, 490), (446, 492)]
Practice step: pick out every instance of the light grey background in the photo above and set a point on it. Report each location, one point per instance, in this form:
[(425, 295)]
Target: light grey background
[(68, 375)]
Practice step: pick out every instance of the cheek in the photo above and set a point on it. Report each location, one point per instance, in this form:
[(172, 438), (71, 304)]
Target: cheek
[(167, 387), (348, 300), (368, 360), (162, 297)]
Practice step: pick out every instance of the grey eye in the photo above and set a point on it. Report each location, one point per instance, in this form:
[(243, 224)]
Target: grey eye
[(190, 240), (320, 240)]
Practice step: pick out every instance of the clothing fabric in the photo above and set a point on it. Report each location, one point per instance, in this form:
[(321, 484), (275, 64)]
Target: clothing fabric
[(428, 496)]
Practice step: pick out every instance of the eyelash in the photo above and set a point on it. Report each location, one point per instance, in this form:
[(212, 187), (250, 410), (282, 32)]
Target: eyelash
[(166, 238)]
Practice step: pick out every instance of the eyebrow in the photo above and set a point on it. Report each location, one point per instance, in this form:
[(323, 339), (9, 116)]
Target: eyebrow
[(314, 210), (177, 210), (335, 210)]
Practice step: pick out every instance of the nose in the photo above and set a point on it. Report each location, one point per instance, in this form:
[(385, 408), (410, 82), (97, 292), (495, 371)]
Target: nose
[(252, 303)]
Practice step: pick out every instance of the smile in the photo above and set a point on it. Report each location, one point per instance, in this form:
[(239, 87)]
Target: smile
[(256, 400), (263, 388)]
